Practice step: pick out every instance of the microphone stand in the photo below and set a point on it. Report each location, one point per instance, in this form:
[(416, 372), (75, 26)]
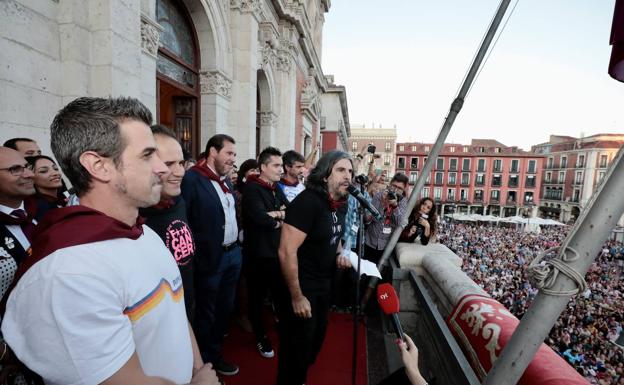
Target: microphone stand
[(356, 302)]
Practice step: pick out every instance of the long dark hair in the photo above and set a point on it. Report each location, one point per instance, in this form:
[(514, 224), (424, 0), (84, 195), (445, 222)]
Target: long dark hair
[(433, 216), (316, 181)]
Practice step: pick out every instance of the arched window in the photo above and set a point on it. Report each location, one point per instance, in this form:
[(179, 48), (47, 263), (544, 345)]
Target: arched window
[(177, 56), (177, 75)]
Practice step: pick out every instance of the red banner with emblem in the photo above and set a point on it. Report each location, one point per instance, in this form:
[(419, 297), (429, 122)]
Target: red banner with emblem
[(483, 326)]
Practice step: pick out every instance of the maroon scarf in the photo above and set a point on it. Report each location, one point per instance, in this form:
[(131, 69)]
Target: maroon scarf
[(72, 226), (164, 204), (335, 204), (202, 168), (256, 179), (30, 206), (287, 183)]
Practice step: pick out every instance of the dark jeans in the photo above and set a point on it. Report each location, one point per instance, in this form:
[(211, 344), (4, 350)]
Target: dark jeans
[(263, 275), (214, 300), (300, 339)]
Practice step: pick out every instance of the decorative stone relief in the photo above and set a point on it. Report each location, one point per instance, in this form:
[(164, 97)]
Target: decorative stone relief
[(284, 61), (248, 6), (267, 118), (310, 102), (267, 56), (215, 82), (150, 35)]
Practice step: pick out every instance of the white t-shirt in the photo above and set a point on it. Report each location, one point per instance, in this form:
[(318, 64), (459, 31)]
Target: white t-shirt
[(77, 316), (291, 192)]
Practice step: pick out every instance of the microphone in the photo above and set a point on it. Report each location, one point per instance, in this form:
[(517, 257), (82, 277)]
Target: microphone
[(360, 198), (389, 303)]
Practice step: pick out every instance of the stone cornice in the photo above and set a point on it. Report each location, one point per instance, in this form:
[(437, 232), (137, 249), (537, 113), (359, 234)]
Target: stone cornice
[(293, 11), (215, 82), (150, 35)]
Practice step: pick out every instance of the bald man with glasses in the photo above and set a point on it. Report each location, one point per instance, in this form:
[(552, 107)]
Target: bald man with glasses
[(16, 215)]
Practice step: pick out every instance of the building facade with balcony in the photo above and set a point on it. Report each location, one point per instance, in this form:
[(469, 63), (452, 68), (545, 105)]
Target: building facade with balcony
[(247, 68), (573, 169), (484, 177), (384, 140), (335, 128)]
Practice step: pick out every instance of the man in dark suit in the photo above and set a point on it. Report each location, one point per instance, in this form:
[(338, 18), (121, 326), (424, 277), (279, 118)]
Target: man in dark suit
[(211, 209)]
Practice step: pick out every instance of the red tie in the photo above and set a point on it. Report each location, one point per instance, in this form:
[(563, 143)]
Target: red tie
[(27, 226)]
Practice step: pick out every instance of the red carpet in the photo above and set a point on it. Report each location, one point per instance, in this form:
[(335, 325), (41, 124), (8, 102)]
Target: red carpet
[(332, 367)]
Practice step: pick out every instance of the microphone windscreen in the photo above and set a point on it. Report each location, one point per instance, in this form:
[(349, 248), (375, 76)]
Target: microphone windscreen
[(387, 298), (352, 189)]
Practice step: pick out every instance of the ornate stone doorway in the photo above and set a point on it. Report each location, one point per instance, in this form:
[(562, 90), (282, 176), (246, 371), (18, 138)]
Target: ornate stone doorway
[(177, 69)]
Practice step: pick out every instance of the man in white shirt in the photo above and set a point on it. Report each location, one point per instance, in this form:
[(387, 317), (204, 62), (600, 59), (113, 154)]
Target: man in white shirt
[(100, 301)]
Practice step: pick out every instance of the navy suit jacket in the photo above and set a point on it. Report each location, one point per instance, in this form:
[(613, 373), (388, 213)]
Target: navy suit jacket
[(206, 219)]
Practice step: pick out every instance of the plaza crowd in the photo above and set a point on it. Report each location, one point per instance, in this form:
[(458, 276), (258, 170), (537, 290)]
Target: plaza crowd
[(496, 258)]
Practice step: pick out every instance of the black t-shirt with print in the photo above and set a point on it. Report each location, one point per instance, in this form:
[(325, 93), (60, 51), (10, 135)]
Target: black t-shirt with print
[(311, 213)]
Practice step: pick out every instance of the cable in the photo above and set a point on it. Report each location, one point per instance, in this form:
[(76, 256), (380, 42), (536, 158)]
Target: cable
[(492, 48)]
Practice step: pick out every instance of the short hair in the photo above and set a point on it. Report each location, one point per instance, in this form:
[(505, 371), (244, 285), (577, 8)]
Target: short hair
[(401, 178), (290, 157), (92, 124), (217, 142), (12, 143), (317, 179), (159, 129), (266, 154)]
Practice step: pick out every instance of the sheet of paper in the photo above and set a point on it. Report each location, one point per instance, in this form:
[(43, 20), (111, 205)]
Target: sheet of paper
[(366, 267)]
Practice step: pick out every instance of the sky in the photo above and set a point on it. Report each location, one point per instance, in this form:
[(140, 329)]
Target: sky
[(402, 63)]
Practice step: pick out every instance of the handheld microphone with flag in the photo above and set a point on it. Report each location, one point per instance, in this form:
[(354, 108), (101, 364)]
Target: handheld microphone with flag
[(357, 194), (389, 303)]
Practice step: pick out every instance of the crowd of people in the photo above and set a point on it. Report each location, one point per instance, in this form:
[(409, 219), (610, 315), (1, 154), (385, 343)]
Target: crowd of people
[(147, 250), (496, 258)]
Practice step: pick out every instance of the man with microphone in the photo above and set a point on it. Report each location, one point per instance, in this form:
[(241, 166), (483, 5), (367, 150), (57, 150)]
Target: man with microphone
[(309, 252)]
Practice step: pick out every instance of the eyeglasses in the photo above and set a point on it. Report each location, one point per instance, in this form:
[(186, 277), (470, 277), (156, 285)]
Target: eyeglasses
[(16, 170)]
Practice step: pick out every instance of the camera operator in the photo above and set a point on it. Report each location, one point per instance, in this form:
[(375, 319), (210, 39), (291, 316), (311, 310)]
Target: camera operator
[(422, 222), (392, 204)]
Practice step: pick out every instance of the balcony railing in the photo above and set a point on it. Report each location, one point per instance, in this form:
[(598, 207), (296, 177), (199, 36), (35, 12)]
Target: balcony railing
[(512, 184), (494, 200), (479, 183), (496, 183), (497, 169), (478, 200), (511, 201), (465, 183), (452, 183), (452, 168), (529, 184)]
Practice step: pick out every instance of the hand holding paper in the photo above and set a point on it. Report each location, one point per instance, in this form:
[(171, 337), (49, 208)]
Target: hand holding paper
[(366, 267)]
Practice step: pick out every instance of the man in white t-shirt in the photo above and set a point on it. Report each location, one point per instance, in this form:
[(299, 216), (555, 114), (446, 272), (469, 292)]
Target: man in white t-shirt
[(294, 167), (101, 300)]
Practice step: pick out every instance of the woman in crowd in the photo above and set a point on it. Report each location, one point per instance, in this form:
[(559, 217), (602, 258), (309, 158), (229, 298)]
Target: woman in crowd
[(422, 222), (48, 184)]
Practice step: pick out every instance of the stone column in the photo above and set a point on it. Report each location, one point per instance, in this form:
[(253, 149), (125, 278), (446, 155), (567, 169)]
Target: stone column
[(244, 31), (267, 129), (286, 85), (216, 94), (150, 36), (116, 55)]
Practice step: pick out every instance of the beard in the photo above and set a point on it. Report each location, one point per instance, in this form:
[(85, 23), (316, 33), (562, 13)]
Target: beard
[(142, 199)]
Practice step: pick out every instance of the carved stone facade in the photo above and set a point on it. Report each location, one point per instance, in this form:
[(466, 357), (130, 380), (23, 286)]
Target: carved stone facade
[(215, 82), (150, 35), (257, 65)]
